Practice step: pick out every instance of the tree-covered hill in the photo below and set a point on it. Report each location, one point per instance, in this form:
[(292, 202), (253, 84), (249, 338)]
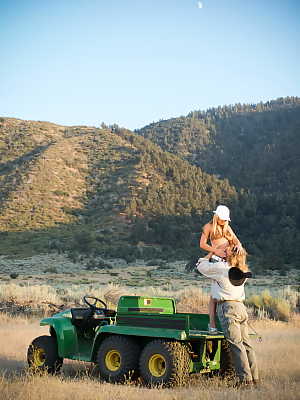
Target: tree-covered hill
[(257, 148), (98, 189), (238, 142)]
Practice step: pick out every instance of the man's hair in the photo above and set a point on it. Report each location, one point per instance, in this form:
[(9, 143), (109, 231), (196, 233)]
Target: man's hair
[(238, 260)]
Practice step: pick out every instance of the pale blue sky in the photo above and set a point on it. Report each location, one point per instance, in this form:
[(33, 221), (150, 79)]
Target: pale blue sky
[(132, 62)]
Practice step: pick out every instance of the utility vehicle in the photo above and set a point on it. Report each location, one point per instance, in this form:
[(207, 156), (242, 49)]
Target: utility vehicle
[(144, 337)]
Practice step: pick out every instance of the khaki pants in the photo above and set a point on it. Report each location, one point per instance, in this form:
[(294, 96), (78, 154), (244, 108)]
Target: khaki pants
[(233, 318)]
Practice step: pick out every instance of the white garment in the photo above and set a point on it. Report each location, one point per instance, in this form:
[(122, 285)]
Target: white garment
[(222, 288)]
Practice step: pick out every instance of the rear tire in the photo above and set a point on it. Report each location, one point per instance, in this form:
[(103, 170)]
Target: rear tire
[(117, 358), (42, 355), (164, 363)]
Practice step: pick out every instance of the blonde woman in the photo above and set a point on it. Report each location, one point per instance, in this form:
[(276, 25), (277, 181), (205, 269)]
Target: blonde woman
[(216, 236)]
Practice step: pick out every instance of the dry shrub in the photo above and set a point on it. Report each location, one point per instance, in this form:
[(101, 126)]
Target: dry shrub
[(40, 296), (265, 304), (292, 296), (193, 300), (28, 294), (280, 310), (112, 295), (25, 299), (16, 320)]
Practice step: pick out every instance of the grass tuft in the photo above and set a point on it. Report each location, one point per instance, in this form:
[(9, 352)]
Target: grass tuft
[(265, 304)]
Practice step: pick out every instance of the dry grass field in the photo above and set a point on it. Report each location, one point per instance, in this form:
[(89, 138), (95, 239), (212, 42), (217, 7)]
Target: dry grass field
[(278, 355)]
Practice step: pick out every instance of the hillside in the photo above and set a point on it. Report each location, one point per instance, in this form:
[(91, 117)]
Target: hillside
[(257, 148), (100, 190), (238, 142), (113, 193)]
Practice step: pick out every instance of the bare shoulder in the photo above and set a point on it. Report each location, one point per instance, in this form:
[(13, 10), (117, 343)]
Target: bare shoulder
[(207, 228), (230, 229)]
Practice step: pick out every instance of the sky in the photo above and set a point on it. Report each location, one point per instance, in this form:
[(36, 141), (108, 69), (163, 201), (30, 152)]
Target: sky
[(132, 62)]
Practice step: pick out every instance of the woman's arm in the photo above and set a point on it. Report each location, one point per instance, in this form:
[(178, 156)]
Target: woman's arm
[(208, 256)]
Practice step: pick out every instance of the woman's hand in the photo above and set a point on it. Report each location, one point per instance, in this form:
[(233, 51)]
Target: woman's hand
[(220, 250), (208, 256)]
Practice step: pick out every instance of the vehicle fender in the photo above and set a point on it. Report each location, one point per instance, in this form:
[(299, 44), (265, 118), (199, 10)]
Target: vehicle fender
[(65, 334)]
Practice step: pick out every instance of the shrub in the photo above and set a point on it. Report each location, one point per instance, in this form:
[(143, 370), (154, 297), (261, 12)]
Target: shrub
[(60, 193), (281, 309), (163, 265), (152, 263), (274, 307), (83, 241), (73, 256), (191, 265), (50, 270), (292, 296), (193, 300), (97, 264)]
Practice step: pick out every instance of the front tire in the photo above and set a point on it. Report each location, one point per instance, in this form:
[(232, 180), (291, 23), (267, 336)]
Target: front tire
[(117, 358), (42, 355), (164, 363)]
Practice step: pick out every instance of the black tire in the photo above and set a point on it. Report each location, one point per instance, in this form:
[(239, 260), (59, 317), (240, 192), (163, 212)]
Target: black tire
[(117, 358), (42, 355), (226, 361), (164, 363)]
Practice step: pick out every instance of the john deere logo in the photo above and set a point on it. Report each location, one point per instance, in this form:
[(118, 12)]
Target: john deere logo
[(147, 302)]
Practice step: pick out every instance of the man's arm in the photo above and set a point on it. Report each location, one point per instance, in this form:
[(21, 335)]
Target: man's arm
[(209, 269)]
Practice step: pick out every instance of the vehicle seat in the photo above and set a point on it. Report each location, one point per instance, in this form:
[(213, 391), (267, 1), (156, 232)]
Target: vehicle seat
[(80, 316), (83, 317)]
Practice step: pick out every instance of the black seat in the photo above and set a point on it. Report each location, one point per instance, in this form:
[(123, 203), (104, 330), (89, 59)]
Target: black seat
[(81, 316), (86, 317)]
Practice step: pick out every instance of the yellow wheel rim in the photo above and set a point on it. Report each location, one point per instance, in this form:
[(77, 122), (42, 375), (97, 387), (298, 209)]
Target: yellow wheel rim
[(113, 360), (157, 365), (39, 357)]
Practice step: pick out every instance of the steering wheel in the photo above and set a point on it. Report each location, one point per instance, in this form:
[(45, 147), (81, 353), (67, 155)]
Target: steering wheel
[(93, 305)]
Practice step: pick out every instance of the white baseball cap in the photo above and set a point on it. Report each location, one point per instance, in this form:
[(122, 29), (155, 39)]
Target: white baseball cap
[(223, 212)]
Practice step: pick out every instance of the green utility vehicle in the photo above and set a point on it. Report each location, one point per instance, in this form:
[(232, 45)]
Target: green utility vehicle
[(144, 337)]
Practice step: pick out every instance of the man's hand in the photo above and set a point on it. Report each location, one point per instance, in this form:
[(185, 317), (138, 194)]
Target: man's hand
[(239, 248)]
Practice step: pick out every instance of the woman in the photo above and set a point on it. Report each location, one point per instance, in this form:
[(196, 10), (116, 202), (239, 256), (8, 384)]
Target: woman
[(219, 234)]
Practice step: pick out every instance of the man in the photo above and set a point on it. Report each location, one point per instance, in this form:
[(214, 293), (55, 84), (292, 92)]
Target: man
[(228, 289)]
